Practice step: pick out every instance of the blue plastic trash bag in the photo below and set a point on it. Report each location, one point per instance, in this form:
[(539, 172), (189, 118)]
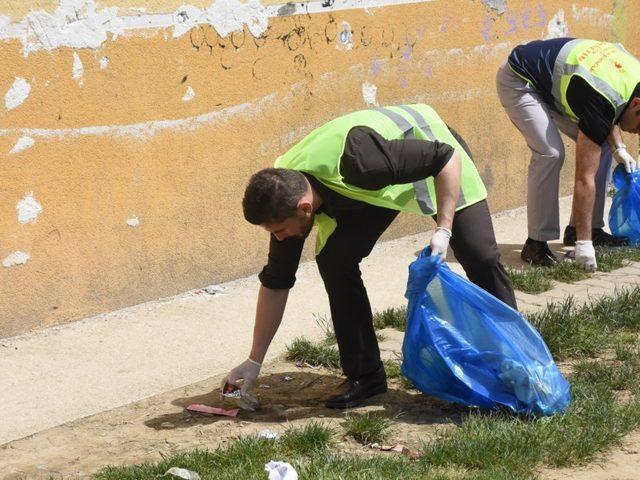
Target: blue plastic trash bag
[(624, 216), (464, 345)]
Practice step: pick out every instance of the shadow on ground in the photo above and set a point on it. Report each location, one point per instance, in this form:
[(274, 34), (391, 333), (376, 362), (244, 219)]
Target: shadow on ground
[(303, 397)]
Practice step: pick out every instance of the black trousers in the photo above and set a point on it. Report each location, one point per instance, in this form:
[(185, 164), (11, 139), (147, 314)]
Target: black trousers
[(473, 243)]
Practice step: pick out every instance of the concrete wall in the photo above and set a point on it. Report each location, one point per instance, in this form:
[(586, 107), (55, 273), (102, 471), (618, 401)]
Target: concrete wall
[(129, 127)]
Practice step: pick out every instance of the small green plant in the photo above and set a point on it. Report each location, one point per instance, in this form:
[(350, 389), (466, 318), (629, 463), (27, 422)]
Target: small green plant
[(367, 427), (530, 280), (392, 367), (314, 437), (305, 351), (394, 317), (326, 325)]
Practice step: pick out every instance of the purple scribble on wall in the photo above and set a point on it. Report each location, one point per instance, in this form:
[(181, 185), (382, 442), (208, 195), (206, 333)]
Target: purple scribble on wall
[(407, 50), (404, 82), (428, 71), (376, 67)]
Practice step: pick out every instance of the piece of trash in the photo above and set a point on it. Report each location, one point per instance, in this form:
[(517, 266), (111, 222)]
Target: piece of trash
[(167, 425), (214, 290), (374, 445), (301, 364), (268, 434), (199, 408), (182, 473), (570, 256), (287, 378), (280, 471), (264, 385), (399, 448), (386, 448), (243, 399)]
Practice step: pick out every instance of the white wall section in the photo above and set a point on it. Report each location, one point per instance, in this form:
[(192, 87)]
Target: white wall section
[(82, 24), (17, 94), (28, 209)]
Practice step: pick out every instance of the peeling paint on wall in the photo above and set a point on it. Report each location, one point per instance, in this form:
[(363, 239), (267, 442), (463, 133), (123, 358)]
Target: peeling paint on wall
[(369, 92), (497, 5), (16, 258), (104, 62), (188, 95), (28, 209), (23, 143), (17, 94), (80, 24), (133, 221), (146, 130), (78, 68), (557, 27), (346, 37)]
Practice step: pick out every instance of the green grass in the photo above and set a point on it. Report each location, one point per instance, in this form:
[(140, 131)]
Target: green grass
[(393, 371), (602, 335), (367, 427), (579, 331), (394, 317), (529, 280), (535, 280), (320, 355)]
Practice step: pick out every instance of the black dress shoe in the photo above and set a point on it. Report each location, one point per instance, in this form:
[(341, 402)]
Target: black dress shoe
[(537, 253), (599, 237), (352, 393)]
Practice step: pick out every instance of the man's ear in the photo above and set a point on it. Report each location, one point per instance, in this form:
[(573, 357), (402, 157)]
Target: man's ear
[(305, 206)]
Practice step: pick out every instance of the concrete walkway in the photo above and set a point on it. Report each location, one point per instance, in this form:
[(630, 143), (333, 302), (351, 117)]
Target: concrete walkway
[(70, 372)]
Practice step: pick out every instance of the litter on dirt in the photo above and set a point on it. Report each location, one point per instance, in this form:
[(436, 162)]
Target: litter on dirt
[(199, 408)]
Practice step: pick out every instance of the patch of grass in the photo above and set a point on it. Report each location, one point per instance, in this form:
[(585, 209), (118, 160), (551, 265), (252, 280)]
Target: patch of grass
[(326, 325), (587, 330), (394, 317), (305, 351), (567, 272), (381, 337), (594, 422), (530, 280), (394, 371), (312, 438), (367, 427), (535, 280)]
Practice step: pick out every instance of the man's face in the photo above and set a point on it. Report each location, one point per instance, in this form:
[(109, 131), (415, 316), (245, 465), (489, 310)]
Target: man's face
[(298, 225), (630, 120)]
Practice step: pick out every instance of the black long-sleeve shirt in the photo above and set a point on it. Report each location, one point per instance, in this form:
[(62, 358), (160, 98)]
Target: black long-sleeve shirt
[(371, 162)]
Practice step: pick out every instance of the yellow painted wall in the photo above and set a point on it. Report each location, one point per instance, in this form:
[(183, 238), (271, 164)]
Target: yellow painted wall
[(120, 142)]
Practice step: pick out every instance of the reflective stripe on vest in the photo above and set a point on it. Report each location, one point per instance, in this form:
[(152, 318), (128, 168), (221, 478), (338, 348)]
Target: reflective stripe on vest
[(422, 192), (420, 187), (562, 68)]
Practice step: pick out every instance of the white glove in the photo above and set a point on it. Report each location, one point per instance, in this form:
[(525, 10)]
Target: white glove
[(622, 156), (247, 371), (440, 242), (586, 255)]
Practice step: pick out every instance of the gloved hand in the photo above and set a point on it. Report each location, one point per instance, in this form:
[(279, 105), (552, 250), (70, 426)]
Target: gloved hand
[(586, 255), (248, 371), (622, 156), (440, 242)]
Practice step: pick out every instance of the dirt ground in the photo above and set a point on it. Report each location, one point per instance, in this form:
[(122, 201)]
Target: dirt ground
[(145, 431)]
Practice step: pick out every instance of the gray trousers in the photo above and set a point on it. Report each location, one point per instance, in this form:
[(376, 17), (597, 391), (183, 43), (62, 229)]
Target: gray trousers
[(540, 125)]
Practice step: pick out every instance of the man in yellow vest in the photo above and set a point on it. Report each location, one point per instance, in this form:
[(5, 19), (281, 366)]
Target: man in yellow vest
[(589, 90), (351, 177)]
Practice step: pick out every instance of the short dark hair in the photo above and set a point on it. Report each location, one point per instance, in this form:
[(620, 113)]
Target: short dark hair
[(272, 195)]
